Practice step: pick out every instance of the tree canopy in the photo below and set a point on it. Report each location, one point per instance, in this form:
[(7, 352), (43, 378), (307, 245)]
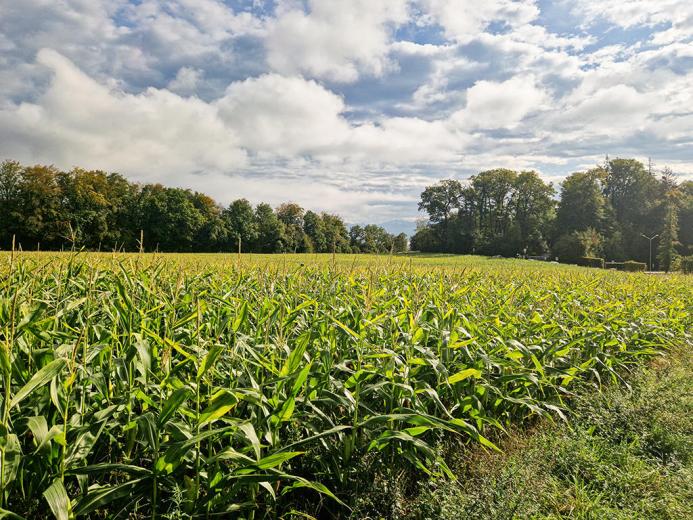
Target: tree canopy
[(602, 212), (43, 207)]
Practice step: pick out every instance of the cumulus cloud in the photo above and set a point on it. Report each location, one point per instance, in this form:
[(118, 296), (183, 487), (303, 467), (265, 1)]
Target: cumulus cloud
[(284, 115), (344, 105), (465, 19), (335, 39), (79, 121), (500, 104)]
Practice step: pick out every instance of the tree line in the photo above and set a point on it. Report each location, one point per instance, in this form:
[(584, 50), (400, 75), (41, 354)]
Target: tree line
[(42, 207), (604, 212)]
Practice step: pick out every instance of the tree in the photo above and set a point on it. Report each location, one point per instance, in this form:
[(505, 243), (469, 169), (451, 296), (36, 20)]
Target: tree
[(291, 215), (87, 206), (357, 239), (570, 247), (492, 192), (270, 230), (400, 244), (168, 218), (582, 207), (686, 218), (424, 239), (336, 234), (39, 199), (582, 203), (241, 225), (440, 201), (632, 193), (213, 233), (668, 237), (314, 228), (10, 210), (533, 212)]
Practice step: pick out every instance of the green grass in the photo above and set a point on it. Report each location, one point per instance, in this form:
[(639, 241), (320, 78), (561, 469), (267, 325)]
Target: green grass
[(625, 453), (256, 386)]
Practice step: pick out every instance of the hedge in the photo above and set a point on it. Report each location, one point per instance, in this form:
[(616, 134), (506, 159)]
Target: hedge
[(590, 261), (629, 265), (633, 266), (687, 264)]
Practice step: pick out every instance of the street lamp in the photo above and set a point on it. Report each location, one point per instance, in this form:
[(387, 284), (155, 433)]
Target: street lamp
[(650, 239)]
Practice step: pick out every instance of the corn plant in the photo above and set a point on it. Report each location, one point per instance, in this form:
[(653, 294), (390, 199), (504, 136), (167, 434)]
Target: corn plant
[(202, 386)]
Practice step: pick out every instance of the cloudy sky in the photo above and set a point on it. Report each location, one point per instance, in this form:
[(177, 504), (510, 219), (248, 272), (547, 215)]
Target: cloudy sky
[(350, 106)]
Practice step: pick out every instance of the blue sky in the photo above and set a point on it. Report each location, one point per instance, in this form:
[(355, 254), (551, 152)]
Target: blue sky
[(351, 106)]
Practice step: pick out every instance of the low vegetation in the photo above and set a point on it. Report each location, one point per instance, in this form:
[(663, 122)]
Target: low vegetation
[(623, 453), (164, 386)]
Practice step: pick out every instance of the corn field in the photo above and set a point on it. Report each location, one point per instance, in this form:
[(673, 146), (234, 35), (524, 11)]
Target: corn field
[(216, 386)]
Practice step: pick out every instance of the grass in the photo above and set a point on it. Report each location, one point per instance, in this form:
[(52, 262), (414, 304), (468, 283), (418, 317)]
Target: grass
[(625, 453), (256, 386)]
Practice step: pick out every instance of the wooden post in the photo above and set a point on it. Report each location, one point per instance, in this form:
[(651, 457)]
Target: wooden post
[(334, 247)]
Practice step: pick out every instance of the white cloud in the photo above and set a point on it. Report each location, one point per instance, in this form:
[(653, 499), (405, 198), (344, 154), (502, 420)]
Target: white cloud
[(78, 121), (284, 116), (500, 104), (186, 81), (464, 19), (350, 106), (336, 39), (631, 13)]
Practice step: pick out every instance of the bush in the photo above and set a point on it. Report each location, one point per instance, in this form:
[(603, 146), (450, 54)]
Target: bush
[(687, 264), (590, 261), (633, 266), (630, 266)]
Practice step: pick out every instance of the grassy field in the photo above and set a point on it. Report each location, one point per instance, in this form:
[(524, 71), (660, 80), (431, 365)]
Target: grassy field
[(178, 386)]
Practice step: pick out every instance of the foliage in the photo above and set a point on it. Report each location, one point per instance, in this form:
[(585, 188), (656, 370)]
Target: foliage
[(601, 212), (629, 266), (622, 454), (590, 261), (44, 208), (632, 266), (687, 264), (152, 385), (668, 240)]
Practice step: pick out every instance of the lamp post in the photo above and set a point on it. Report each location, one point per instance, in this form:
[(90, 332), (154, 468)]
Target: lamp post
[(650, 239)]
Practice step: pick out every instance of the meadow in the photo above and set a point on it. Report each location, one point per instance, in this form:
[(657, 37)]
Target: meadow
[(270, 386)]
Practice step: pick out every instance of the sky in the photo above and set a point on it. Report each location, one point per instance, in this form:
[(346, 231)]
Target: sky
[(347, 106)]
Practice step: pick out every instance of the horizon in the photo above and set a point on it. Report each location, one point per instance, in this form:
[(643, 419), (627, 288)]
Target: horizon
[(346, 107)]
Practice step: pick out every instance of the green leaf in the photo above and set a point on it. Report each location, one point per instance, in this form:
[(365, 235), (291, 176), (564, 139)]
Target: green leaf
[(464, 374), (102, 496), (9, 443), (302, 376), (174, 401), (287, 409), (222, 401), (316, 486), (274, 460), (58, 501), (249, 431), (40, 378), (101, 469), (4, 513), (39, 429), (209, 360), (241, 317)]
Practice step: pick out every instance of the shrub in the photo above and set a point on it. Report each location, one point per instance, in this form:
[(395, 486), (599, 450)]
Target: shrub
[(632, 266), (629, 265), (590, 261), (687, 264)]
